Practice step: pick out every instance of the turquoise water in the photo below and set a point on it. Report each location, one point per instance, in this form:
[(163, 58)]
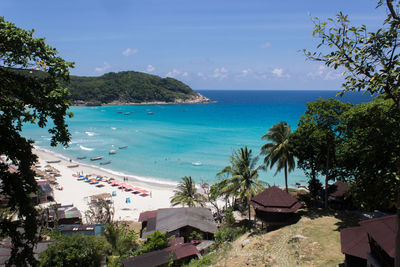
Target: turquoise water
[(183, 140)]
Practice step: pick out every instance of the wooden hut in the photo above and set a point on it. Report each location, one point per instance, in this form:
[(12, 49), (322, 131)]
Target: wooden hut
[(274, 206)]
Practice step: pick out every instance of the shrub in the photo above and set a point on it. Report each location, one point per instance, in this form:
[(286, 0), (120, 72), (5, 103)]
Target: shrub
[(228, 234)]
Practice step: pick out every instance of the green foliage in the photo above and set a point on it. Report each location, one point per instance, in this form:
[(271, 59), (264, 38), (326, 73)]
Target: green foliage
[(195, 236), (155, 241), (228, 234), (123, 241), (370, 153), (128, 87), (100, 212), (278, 150), (186, 194), (75, 250), (228, 219), (206, 260), (30, 92), (316, 139), (243, 182)]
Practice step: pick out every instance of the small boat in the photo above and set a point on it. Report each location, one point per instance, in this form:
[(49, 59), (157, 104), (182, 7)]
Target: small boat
[(197, 163), (73, 166), (127, 113), (53, 161), (105, 163), (122, 147), (97, 158), (84, 157), (150, 113), (112, 152), (119, 112)]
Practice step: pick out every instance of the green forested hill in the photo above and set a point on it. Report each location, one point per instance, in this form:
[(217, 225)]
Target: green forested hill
[(128, 87)]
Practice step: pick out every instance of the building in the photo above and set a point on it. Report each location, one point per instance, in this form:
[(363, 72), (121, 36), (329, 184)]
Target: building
[(336, 195), (180, 254), (65, 214), (274, 206), (85, 229), (179, 222), (371, 244)]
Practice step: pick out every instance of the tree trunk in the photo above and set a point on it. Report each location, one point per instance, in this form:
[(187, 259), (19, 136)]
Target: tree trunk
[(397, 244), (249, 216), (287, 190), (327, 177)]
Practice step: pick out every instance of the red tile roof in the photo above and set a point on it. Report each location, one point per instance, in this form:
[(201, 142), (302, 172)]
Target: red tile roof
[(354, 242), (383, 231), (145, 216), (274, 199), (338, 189)]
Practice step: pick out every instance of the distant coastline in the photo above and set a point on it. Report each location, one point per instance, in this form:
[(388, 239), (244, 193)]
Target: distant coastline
[(196, 99)]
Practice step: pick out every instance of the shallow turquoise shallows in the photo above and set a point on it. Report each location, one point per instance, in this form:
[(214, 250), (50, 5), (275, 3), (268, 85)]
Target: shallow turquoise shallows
[(166, 142)]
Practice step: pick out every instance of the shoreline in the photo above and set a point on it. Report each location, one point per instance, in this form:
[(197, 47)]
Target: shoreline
[(78, 192), (198, 99)]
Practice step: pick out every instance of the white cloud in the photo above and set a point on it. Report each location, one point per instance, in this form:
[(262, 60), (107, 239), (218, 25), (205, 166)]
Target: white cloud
[(150, 68), (220, 73), (266, 45), (324, 73), (245, 72), (129, 51), (279, 72), (201, 75), (104, 68), (174, 73)]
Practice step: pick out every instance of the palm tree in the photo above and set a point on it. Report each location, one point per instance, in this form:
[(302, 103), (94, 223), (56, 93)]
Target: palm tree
[(243, 182), (186, 194), (278, 150)]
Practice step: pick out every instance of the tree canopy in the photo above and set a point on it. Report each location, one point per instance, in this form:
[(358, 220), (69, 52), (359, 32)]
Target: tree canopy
[(278, 149), (75, 250), (30, 92), (186, 193)]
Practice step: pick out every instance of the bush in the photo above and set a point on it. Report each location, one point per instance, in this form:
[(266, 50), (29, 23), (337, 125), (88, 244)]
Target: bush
[(228, 219), (155, 241), (228, 234), (75, 250)]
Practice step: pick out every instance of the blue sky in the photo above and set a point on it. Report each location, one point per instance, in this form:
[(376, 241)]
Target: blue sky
[(219, 44)]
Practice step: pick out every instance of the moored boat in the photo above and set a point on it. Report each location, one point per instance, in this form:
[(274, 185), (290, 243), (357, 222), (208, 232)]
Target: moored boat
[(97, 158), (150, 113), (53, 161), (84, 157), (112, 152), (105, 163), (73, 166), (122, 147)]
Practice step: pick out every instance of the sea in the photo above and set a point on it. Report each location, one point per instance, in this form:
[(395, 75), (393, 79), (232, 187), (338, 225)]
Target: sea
[(163, 143)]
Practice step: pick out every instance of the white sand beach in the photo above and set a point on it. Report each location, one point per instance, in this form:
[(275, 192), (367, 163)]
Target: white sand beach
[(78, 192)]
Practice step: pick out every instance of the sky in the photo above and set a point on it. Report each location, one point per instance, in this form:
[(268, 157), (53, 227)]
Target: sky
[(218, 44)]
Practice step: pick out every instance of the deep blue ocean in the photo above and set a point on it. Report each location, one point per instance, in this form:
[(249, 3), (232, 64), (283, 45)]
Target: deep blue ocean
[(183, 140)]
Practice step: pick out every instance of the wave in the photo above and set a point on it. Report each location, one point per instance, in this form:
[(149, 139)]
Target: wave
[(90, 133), (86, 148), (113, 128)]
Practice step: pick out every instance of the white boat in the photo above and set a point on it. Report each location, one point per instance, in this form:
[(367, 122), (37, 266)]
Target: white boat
[(196, 163), (112, 152)]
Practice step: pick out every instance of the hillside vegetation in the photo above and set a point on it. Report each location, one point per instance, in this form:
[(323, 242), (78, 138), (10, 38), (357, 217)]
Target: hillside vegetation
[(129, 87), (313, 241)]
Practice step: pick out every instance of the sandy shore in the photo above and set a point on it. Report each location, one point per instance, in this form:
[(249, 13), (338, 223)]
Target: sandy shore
[(78, 192)]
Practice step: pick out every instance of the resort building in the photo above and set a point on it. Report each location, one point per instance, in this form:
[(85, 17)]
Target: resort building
[(274, 206), (84, 229), (179, 253), (178, 222), (371, 244)]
